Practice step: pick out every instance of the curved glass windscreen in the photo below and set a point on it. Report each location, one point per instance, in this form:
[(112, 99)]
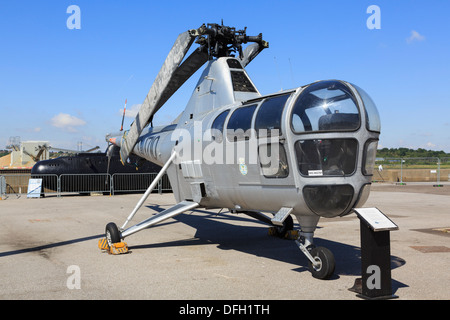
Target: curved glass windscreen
[(330, 157), (373, 122), (370, 152), (325, 106)]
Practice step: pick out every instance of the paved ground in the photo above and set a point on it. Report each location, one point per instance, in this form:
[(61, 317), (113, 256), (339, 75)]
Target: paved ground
[(46, 243)]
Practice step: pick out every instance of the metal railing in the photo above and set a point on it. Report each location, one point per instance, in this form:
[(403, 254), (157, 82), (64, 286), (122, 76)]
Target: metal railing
[(403, 170), (85, 183), (132, 182), (52, 184)]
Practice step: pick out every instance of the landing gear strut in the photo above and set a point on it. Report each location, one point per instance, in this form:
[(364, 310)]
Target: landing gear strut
[(321, 260)]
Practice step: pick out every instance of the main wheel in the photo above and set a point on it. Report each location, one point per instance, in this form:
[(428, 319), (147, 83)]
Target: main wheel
[(112, 233), (326, 263), (288, 225)]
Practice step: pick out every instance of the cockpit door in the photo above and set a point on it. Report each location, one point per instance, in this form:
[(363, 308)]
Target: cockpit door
[(272, 152)]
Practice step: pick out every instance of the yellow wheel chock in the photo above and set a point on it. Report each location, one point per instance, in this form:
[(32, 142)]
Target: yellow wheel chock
[(116, 248), (292, 235), (289, 235)]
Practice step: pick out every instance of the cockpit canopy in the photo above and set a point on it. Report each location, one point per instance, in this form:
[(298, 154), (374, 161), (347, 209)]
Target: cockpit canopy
[(325, 106), (332, 106)]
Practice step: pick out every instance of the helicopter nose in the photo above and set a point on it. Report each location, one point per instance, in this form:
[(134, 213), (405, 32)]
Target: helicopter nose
[(38, 168), (329, 200), (44, 167)]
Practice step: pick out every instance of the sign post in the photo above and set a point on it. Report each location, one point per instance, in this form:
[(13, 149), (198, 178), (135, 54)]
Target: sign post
[(375, 255), (34, 188)]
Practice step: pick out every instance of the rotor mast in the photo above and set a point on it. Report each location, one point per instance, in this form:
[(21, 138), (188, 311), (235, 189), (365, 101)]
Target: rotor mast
[(223, 41)]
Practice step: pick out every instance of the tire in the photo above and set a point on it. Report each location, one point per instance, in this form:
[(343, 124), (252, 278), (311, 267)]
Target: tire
[(327, 263), (288, 225), (112, 233)]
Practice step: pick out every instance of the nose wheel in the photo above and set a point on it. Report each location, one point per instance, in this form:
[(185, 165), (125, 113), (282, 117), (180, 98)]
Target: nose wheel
[(321, 260), (324, 265)]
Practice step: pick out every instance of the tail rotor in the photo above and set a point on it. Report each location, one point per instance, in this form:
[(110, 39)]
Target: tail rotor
[(123, 117)]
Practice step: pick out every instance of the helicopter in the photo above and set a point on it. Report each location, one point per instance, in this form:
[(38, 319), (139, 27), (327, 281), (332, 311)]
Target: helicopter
[(307, 152), (87, 165)]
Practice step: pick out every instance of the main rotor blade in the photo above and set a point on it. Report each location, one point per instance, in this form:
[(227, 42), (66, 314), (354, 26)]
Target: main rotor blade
[(183, 73), (166, 78), (251, 51)]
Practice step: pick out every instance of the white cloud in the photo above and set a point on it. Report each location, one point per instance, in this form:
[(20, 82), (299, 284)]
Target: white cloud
[(67, 122), (415, 36)]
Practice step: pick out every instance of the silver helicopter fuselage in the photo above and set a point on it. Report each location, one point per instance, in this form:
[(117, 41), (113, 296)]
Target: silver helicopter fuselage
[(310, 149)]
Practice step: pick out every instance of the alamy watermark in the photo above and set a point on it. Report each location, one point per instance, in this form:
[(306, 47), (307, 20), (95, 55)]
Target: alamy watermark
[(213, 147), (74, 20), (374, 20), (374, 280), (74, 279)]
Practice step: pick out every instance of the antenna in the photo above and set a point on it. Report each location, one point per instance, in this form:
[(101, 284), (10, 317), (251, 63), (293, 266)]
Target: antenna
[(278, 72), (123, 117)]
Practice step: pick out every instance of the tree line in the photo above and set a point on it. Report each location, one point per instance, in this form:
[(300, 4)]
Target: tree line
[(410, 153)]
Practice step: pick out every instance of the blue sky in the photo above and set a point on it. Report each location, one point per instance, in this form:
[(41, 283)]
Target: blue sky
[(68, 85)]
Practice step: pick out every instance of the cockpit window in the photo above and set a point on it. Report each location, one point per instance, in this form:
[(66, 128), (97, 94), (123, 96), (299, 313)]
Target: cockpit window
[(273, 160), (327, 157), (325, 106), (373, 118), (240, 122), (268, 117), (217, 126)]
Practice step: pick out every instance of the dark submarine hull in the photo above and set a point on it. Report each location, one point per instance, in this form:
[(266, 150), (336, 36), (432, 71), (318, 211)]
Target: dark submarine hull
[(91, 172)]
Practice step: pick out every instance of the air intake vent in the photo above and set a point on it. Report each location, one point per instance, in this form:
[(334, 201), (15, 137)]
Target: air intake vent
[(241, 82)]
